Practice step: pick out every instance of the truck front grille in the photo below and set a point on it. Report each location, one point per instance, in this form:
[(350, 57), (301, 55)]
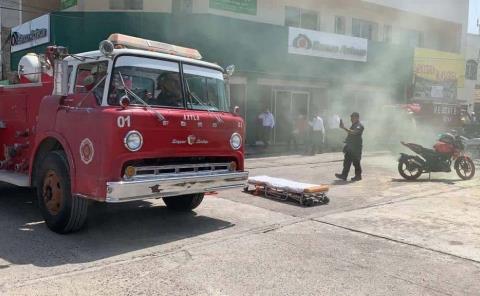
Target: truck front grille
[(181, 169), (175, 166)]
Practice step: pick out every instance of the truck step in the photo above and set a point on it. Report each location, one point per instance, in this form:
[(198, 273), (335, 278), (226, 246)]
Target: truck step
[(21, 180), (2, 124)]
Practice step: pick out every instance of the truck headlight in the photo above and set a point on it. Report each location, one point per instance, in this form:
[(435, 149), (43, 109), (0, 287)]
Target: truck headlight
[(236, 141), (133, 141)]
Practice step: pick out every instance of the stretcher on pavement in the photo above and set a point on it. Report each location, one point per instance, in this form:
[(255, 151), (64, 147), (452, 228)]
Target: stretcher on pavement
[(283, 189)]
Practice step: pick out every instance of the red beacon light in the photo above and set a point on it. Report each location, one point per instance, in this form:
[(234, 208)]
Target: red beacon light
[(125, 41)]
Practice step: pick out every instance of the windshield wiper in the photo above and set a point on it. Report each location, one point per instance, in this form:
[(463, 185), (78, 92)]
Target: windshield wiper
[(128, 91), (190, 93)]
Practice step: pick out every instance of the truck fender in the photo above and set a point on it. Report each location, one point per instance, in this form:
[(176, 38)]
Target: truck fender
[(66, 148)]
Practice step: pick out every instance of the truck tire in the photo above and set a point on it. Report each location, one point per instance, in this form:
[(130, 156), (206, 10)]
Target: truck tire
[(184, 203), (63, 213)]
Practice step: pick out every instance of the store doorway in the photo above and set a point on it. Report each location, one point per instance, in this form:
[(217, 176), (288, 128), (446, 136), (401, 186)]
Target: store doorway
[(288, 106)]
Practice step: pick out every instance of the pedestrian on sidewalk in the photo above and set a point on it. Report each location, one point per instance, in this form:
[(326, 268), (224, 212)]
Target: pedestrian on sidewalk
[(353, 148), (268, 123), (317, 134)]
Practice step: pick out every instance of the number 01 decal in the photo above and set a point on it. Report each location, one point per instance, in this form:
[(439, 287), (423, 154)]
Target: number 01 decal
[(123, 121)]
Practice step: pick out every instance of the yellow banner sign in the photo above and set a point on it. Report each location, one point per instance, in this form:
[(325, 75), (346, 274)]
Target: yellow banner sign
[(438, 74)]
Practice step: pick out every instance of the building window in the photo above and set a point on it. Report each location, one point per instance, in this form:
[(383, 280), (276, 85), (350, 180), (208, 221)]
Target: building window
[(411, 37), (364, 29), (301, 18), (387, 33), (126, 4), (182, 6), (340, 25), (471, 70)]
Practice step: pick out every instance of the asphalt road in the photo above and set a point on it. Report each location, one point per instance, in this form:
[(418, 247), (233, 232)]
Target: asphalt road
[(380, 236)]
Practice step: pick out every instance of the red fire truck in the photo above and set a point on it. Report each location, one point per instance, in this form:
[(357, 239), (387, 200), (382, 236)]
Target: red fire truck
[(137, 119)]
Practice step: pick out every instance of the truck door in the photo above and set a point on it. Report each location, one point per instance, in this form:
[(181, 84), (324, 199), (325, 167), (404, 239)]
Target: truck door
[(81, 122)]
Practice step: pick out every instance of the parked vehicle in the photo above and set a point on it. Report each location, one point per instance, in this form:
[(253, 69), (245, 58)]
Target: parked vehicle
[(449, 150), (137, 119)]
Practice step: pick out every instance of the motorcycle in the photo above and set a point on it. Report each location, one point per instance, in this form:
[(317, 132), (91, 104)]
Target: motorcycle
[(411, 167)]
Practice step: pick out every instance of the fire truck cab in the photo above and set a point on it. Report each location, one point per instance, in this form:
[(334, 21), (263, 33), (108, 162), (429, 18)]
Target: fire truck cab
[(137, 119)]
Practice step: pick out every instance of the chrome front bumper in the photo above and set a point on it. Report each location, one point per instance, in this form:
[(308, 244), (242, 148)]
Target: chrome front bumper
[(157, 187)]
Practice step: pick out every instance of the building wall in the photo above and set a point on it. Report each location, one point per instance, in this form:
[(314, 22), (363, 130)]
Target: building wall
[(472, 86), (35, 8), (455, 11), (440, 31)]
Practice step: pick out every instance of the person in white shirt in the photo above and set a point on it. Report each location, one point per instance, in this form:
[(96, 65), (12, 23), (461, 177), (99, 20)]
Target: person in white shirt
[(268, 123), (318, 134)]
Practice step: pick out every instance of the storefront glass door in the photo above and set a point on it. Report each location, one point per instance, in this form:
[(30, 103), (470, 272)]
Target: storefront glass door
[(288, 106)]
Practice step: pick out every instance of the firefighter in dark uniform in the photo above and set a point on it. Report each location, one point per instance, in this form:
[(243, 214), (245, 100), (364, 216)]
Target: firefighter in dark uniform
[(352, 148)]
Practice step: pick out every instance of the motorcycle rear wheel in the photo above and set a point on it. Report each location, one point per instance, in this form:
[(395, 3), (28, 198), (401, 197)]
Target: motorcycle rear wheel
[(465, 168), (409, 171)]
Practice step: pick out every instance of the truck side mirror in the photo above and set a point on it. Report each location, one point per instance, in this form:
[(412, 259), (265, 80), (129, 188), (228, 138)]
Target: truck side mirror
[(60, 87), (236, 110), (230, 70)]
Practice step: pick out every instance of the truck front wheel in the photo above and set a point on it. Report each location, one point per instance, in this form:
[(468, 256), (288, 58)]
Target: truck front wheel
[(183, 203), (63, 213)]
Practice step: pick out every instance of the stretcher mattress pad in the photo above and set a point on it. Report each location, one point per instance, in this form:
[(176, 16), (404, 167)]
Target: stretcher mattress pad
[(287, 185)]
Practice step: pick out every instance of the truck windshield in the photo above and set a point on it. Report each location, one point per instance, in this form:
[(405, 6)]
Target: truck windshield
[(156, 82), (205, 89)]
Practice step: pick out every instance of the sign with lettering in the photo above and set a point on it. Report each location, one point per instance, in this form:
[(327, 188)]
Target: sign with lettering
[(438, 74), (238, 6), (327, 45), (33, 33)]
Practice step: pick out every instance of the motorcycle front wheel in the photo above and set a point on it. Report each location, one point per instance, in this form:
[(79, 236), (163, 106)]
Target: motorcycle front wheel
[(465, 168), (409, 171)]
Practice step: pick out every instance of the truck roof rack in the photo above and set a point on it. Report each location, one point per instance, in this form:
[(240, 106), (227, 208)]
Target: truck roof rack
[(125, 41)]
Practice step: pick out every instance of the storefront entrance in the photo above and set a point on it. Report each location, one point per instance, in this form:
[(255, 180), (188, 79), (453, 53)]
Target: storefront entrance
[(288, 105)]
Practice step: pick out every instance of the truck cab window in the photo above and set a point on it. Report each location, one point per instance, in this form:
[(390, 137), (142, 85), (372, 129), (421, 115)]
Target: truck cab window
[(91, 77), (205, 89), (153, 81)]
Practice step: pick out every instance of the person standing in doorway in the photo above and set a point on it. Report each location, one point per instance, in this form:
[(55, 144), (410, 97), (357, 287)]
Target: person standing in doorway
[(318, 134), (268, 123), (301, 129), (353, 148)]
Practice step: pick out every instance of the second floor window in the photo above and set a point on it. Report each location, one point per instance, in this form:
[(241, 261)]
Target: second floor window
[(471, 70), (182, 6), (364, 29), (340, 25), (126, 4), (410, 37), (387, 33), (301, 18)]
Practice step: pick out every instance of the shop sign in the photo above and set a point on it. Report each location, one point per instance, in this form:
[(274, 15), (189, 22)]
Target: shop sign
[(237, 6), (67, 3), (438, 75), (327, 45), (33, 33)]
